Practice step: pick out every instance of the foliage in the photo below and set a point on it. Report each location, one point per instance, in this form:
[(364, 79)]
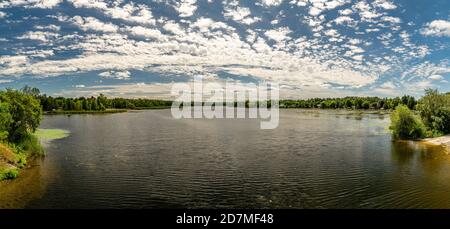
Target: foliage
[(99, 103), (30, 145), (25, 112), (8, 173), (5, 120), (434, 108), (406, 125), (351, 103)]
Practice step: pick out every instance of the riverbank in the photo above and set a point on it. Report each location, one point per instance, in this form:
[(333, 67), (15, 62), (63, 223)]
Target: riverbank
[(108, 111), (13, 158), (10, 162), (442, 141)]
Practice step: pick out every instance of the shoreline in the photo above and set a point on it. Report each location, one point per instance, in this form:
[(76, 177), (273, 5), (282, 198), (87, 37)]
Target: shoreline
[(440, 141)]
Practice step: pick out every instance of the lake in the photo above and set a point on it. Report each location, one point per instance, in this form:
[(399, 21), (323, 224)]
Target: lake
[(314, 159)]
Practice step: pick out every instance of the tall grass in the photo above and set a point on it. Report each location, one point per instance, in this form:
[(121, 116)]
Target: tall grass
[(30, 145)]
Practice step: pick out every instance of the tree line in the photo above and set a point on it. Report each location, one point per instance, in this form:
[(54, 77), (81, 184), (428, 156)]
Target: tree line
[(431, 118), (99, 103), (351, 103)]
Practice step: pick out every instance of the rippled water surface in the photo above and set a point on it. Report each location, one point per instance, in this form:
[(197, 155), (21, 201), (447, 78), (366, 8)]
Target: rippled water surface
[(314, 159)]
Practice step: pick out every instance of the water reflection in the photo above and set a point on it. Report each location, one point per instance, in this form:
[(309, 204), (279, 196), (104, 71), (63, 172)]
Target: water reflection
[(314, 159), (427, 157), (30, 185)]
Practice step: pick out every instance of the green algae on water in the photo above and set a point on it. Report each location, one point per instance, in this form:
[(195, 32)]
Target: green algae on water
[(51, 134)]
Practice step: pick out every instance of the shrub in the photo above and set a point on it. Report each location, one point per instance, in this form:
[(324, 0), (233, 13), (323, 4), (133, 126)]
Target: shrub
[(434, 108), (25, 113), (30, 145), (8, 173), (406, 125)]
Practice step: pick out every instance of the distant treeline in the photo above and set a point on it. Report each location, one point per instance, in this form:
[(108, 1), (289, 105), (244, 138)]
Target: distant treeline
[(351, 103), (101, 102), (98, 103)]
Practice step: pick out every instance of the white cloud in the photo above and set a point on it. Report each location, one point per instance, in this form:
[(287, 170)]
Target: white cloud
[(240, 14), (48, 27), (146, 32), (42, 36), (2, 14), (387, 5), (394, 20), (131, 12), (345, 12), (269, 3), (5, 81), (436, 77), (31, 3), (121, 75), (205, 46), (344, 20), (186, 8), (313, 11), (388, 85), (91, 23), (437, 28)]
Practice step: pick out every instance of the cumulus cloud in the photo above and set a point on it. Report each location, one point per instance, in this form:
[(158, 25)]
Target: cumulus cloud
[(278, 35), (436, 28), (91, 23), (351, 48), (269, 3), (436, 77), (186, 8), (31, 3), (385, 4), (146, 32), (130, 12), (240, 14), (121, 75), (43, 36)]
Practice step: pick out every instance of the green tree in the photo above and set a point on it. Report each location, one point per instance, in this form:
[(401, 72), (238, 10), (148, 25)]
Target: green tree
[(25, 111), (405, 124), (434, 108), (5, 120)]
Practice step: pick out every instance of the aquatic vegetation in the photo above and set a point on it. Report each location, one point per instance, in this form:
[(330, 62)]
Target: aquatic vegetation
[(51, 134)]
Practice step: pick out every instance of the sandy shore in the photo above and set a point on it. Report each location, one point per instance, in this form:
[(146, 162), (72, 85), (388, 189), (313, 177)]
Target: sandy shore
[(444, 140)]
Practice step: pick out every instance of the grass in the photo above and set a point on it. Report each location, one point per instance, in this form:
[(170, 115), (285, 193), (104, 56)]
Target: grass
[(153, 108), (108, 111), (51, 134), (10, 161), (8, 173), (13, 157)]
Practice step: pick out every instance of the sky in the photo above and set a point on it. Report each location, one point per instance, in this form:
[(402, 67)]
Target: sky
[(311, 48)]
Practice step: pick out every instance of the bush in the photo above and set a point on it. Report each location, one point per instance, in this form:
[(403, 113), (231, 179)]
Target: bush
[(9, 173), (25, 113), (30, 145), (434, 108), (406, 125)]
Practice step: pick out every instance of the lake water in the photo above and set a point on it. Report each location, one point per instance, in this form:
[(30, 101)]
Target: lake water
[(314, 159)]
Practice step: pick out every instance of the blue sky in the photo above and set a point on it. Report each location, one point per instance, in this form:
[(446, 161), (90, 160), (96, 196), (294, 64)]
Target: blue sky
[(312, 48)]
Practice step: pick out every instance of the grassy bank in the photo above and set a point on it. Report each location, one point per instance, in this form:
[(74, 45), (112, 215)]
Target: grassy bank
[(108, 111), (152, 108), (13, 157)]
